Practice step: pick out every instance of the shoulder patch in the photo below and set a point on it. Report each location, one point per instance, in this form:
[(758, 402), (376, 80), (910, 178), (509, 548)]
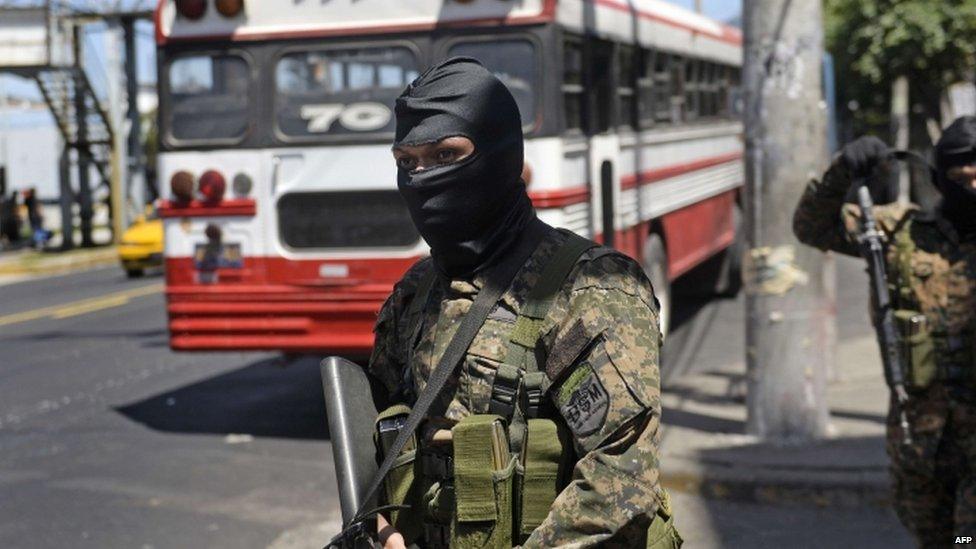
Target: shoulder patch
[(583, 402), (567, 349)]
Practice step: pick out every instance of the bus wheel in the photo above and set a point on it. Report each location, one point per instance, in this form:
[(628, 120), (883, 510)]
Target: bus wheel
[(656, 268), (729, 280)]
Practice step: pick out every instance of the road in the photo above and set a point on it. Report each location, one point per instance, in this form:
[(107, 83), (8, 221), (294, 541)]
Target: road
[(108, 439)]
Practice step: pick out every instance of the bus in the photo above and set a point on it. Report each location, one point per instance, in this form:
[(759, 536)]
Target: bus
[(283, 227)]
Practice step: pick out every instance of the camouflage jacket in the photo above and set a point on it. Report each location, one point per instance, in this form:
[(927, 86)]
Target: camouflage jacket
[(607, 303), (942, 281)]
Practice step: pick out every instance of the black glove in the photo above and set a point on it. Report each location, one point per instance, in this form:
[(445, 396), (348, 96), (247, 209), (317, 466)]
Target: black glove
[(863, 155)]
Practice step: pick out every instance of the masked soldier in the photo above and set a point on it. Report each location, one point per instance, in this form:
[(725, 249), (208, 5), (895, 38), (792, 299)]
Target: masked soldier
[(546, 432), (931, 266)]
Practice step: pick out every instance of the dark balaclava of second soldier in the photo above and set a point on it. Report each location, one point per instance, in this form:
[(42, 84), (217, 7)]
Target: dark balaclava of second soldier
[(957, 147), (470, 212)]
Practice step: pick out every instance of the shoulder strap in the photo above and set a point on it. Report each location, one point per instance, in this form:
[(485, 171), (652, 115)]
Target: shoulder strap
[(520, 371), (497, 280)]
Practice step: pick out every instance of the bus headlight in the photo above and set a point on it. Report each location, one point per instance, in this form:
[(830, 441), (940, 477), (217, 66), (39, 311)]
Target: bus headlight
[(181, 185), (191, 9), (212, 186), (242, 185), (230, 8)]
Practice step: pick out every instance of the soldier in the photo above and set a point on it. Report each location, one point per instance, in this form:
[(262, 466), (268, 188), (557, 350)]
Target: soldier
[(931, 260), (567, 357)]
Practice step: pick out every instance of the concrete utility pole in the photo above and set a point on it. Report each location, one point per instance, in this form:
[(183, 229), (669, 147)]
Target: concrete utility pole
[(113, 70), (789, 340)]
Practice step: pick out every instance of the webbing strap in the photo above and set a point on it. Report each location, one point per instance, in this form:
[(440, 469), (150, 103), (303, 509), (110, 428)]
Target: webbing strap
[(474, 490), (528, 325), (497, 280), (905, 248), (543, 454)]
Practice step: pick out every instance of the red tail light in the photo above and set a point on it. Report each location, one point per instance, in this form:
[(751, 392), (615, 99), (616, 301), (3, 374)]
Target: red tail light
[(181, 185), (230, 8), (191, 9), (212, 186)]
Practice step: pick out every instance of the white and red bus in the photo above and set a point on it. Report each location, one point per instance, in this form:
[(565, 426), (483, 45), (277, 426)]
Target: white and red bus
[(284, 230)]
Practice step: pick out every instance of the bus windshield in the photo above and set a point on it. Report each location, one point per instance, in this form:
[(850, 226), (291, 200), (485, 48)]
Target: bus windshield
[(208, 97), (340, 92)]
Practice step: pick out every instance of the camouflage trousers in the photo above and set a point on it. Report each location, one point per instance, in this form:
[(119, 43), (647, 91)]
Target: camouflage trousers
[(935, 476)]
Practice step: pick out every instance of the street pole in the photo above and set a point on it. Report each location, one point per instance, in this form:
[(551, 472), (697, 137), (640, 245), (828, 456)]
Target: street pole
[(137, 179), (113, 69), (789, 338), (85, 210)]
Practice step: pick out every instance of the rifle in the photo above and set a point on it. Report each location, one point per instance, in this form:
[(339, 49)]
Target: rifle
[(351, 413), (872, 249)]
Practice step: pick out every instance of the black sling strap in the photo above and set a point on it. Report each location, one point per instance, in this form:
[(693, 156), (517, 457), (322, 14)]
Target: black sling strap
[(497, 280)]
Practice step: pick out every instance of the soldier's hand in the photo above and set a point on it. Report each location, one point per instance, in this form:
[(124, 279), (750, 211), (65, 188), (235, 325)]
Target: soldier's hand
[(863, 155), (390, 538)]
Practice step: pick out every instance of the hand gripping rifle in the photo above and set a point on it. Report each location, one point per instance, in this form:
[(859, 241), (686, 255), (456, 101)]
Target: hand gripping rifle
[(872, 249)]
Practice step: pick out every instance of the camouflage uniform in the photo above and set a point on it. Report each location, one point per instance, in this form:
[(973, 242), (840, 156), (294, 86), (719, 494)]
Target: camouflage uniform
[(934, 480), (603, 326)]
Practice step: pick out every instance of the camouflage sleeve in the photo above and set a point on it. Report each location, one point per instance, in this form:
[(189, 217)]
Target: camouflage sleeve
[(817, 220), (387, 362), (606, 385)]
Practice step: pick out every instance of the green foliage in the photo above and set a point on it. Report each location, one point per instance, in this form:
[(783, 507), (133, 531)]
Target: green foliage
[(873, 42)]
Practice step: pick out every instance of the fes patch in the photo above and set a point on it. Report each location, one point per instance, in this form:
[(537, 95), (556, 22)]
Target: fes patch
[(583, 401)]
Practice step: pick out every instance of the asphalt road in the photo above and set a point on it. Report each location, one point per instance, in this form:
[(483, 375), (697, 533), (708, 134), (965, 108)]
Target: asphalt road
[(108, 439)]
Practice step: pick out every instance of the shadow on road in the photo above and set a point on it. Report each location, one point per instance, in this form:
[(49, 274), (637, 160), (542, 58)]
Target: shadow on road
[(263, 399)]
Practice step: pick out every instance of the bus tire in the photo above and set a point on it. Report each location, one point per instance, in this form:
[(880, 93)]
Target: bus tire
[(729, 280), (655, 263)]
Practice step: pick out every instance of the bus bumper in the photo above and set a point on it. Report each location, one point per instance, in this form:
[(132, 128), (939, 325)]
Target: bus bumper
[(259, 318)]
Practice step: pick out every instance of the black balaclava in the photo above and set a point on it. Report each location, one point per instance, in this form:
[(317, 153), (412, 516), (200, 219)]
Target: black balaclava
[(469, 211), (957, 147)]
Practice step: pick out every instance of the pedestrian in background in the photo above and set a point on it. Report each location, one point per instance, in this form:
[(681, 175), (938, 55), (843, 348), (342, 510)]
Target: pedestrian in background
[(9, 220), (931, 269), (39, 236)]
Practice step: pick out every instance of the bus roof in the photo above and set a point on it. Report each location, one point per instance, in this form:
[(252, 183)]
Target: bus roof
[(658, 23)]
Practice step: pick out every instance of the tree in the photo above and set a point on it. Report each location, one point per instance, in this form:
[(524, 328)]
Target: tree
[(931, 42)]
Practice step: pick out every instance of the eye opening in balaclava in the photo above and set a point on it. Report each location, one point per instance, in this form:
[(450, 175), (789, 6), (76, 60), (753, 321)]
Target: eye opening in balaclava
[(957, 147), (472, 210)]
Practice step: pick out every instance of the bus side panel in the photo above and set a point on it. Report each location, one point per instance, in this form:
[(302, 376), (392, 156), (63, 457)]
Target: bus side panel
[(696, 232)]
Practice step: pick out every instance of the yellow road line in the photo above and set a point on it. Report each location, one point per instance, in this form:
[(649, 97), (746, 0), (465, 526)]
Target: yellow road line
[(83, 306)]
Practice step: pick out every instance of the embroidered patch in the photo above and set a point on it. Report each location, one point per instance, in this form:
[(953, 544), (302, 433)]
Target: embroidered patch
[(567, 349), (584, 402)]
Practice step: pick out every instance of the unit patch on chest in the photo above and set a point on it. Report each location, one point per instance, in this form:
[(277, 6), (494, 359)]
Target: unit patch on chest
[(583, 401)]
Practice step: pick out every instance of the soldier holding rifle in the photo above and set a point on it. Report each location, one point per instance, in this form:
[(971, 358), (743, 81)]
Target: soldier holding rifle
[(521, 360), (929, 267)]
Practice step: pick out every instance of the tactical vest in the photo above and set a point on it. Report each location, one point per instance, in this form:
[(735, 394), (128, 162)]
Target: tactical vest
[(498, 478), (929, 352)]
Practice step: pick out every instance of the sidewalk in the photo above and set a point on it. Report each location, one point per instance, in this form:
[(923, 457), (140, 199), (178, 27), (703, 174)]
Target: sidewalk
[(26, 263), (705, 450)]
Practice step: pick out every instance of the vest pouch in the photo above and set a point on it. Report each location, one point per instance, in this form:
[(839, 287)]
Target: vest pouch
[(546, 456), (484, 472), (403, 485), (918, 348), (662, 534)]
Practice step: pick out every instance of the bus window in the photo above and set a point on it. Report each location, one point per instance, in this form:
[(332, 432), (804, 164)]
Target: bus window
[(645, 88), (340, 92), (573, 84), (662, 87), (692, 86), (677, 68), (208, 98), (514, 63), (626, 81), (600, 84)]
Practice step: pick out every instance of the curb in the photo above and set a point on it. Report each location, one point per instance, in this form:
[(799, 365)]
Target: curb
[(60, 264), (820, 487)]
